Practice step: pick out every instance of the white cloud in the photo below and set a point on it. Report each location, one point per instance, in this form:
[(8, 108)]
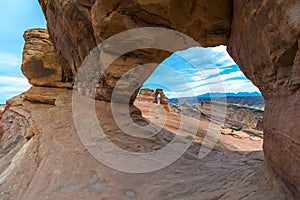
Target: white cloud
[(13, 80), (200, 70), (234, 86), (10, 59), (225, 77), (220, 56), (12, 86)]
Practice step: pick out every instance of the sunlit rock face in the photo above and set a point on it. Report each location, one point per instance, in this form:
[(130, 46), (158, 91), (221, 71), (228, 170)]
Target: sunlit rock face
[(40, 63), (163, 99), (265, 43), (146, 94)]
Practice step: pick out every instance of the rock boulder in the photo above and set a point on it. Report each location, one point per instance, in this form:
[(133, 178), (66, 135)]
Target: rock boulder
[(40, 62)]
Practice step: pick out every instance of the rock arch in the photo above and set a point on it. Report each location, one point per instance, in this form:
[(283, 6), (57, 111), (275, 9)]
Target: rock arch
[(163, 99), (262, 37)]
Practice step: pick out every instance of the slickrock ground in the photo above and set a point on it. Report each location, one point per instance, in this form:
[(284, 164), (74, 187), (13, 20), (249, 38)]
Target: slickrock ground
[(54, 164), (226, 141)]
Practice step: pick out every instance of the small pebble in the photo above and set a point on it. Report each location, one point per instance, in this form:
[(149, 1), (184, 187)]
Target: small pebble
[(130, 193)]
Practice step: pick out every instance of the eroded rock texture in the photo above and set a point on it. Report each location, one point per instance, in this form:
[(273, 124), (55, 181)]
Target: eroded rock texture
[(159, 93), (54, 164), (265, 43), (40, 62), (76, 27), (146, 94)]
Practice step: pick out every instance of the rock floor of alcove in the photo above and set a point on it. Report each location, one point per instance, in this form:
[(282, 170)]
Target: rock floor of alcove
[(54, 164)]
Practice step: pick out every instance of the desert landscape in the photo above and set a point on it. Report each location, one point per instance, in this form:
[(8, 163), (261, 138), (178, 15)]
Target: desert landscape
[(49, 163), (86, 130), (248, 138)]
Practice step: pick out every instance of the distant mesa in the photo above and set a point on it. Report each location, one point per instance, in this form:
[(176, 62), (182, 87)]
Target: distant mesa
[(250, 99)]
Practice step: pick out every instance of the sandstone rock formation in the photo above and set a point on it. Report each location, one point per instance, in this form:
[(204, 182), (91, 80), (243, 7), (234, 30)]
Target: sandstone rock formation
[(263, 40), (253, 135), (207, 21), (40, 63), (265, 44), (54, 164), (146, 94), (259, 124), (43, 69), (226, 131), (158, 96), (163, 99), (46, 95)]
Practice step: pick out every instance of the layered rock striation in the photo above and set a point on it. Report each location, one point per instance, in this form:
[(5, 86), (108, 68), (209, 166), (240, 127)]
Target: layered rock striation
[(40, 62), (207, 21), (265, 41), (146, 94), (43, 69)]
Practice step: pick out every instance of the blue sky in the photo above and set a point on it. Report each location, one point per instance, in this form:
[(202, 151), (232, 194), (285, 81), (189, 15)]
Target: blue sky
[(198, 71), (16, 17), (186, 73)]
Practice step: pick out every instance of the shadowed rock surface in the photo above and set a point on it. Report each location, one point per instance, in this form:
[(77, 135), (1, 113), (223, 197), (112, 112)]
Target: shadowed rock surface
[(265, 44), (207, 21)]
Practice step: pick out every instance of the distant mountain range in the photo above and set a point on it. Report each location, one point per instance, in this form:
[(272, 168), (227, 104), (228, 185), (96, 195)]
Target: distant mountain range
[(240, 94), (253, 99)]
